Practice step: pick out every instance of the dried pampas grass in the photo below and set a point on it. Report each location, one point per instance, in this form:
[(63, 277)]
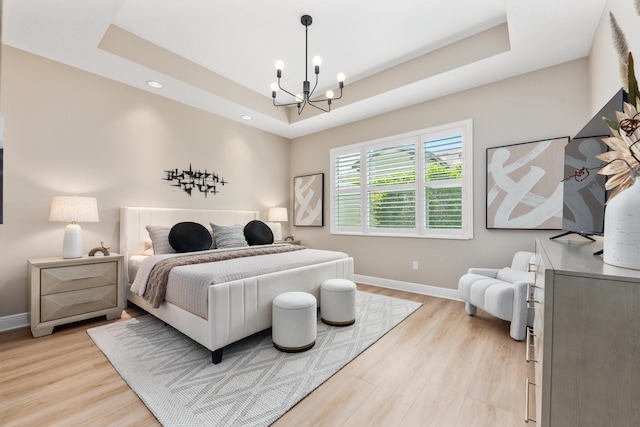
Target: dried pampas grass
[(622, 48)]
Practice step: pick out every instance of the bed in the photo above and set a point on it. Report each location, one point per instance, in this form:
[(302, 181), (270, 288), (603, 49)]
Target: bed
[(235, 302)]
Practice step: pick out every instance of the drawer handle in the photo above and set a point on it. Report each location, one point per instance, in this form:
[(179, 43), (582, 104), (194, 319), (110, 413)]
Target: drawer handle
[(82, 278), (530, 293), (527, 417), (531, 302), (529, 345)]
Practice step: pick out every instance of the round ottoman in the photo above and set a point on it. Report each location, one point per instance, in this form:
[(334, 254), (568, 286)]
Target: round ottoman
[(338, 302), (295, 317)]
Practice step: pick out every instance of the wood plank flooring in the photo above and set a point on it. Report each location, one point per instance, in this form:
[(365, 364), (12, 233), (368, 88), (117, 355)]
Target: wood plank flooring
[(439, 367)]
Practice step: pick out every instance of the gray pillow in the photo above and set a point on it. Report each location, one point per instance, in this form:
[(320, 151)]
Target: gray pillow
[(160, 239), (228, 236)]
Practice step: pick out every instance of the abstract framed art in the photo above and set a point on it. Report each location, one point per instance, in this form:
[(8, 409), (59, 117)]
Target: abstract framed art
[(308, 200), (524, 185)]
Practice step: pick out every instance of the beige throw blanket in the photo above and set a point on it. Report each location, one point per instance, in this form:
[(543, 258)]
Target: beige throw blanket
[(159, 276)]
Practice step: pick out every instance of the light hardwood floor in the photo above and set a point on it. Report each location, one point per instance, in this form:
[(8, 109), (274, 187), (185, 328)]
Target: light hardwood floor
[(439, 367)]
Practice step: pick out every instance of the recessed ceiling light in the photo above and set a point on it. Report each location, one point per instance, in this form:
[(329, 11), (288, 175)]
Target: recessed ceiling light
[(246, 117), (154, 84)]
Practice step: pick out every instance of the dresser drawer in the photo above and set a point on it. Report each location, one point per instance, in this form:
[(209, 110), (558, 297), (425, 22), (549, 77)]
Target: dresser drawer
[(72, 278), (66, 304)]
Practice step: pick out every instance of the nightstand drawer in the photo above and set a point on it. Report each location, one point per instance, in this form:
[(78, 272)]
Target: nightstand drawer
[(66, 304), (77, 277)]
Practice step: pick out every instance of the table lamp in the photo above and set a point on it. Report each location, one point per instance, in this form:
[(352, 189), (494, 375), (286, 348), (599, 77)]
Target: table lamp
[(277, 215), (73, 209)]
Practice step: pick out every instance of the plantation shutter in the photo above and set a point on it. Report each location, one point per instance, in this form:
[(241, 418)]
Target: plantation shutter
[(391, 186), (348, 191), (416, 184), (443, 182)]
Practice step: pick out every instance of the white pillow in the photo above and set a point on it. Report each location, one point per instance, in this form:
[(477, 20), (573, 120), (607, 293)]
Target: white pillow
[(228, 236)]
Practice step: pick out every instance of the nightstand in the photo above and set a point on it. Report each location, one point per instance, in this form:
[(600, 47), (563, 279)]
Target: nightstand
[(293, 242), (68, 290)]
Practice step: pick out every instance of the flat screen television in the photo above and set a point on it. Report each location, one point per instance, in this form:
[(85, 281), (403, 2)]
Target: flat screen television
[(584, 194)]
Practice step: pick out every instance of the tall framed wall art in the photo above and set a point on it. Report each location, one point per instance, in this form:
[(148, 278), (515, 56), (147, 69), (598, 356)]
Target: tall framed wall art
[(308, 200)]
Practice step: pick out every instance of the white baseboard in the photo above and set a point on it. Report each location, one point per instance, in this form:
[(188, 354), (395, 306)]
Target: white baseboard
[(415, 288), (14, 321)]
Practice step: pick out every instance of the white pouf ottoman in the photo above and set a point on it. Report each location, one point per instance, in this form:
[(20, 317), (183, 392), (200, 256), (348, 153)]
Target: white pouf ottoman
[(338, 302), (295, 321)]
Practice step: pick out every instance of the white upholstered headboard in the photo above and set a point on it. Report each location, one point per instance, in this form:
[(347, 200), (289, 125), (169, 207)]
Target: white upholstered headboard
[(134, 220)]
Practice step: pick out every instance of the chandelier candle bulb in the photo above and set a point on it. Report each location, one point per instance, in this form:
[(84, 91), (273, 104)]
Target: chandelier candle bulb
[(317, 61)]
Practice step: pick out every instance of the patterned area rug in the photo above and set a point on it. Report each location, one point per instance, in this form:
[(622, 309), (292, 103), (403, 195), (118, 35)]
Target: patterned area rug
[(255, 384)]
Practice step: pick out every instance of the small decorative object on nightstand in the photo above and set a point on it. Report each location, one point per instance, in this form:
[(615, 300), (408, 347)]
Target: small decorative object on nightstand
[(68, 290), (104, 249)]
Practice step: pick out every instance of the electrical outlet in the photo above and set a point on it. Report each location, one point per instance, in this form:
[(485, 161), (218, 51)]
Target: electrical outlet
[(415, 265)]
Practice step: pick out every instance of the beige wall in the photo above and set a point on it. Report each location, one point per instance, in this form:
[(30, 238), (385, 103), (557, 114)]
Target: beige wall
[(70, 132), (544, 104), (605, 78)]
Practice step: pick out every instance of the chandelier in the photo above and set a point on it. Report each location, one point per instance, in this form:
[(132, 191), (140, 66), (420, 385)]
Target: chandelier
[(304, 98)]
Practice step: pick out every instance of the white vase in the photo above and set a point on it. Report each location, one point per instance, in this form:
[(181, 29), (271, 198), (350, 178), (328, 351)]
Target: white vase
[(622, 229)]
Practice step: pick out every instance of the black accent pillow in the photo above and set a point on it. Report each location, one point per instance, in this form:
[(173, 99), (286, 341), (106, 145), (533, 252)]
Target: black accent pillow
[(190, 237), (258, 233)]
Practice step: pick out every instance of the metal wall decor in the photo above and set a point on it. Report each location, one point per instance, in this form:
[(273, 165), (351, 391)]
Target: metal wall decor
[(190, 180)]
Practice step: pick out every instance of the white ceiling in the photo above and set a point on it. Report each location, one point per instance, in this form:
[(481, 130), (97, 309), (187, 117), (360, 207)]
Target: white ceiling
[(219, 55)]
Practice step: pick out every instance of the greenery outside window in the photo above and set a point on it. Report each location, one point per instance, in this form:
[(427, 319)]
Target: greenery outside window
[(416, 184)]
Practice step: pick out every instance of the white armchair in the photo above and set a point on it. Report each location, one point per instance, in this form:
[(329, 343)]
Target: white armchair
[(501, 292)]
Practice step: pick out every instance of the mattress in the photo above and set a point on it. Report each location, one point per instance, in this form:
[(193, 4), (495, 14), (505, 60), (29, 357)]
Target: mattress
[(188, 285), (134, 264)]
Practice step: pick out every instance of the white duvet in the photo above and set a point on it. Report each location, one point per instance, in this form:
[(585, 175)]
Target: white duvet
[(188, 285)]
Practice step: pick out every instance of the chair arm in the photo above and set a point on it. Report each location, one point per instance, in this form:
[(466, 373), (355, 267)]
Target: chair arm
[(489, 272), (520, 295), (521, 314)]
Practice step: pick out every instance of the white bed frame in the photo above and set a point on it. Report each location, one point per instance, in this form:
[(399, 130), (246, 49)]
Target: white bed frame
[(236, 309)]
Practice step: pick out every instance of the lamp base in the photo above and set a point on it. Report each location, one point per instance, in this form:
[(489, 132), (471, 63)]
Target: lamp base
[(276, 228), (72, 244)]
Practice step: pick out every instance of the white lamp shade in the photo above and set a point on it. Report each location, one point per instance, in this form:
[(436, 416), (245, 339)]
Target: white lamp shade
[(278, 215), (73, 209)]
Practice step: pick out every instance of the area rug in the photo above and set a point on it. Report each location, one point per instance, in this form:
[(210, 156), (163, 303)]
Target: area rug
[(255, 384)]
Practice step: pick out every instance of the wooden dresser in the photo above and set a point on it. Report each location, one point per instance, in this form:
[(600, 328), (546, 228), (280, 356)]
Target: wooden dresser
[(67, 290), (585, 341)]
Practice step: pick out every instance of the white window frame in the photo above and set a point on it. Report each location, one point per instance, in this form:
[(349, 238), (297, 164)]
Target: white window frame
[(464, 128)]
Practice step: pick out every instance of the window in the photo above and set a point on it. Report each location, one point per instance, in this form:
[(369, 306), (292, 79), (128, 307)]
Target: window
[(416, 185)]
